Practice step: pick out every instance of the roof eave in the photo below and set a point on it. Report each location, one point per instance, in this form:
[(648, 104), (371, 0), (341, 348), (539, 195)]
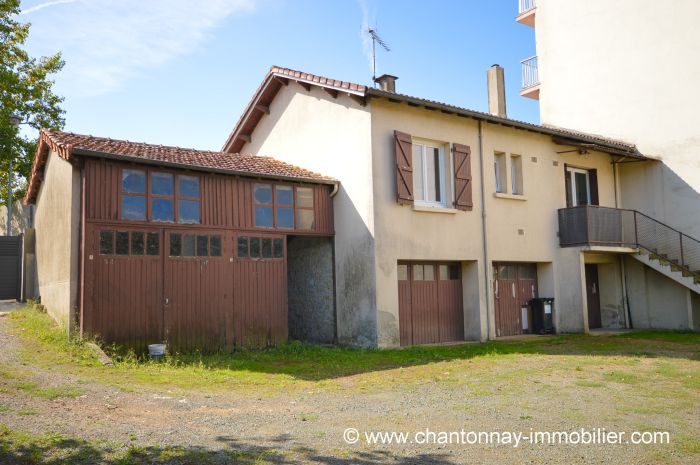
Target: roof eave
[(145, 161), (593, 143)]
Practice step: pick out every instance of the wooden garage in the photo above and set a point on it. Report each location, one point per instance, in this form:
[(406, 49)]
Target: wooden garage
[(188, 247), (514, 284), (430, 302)]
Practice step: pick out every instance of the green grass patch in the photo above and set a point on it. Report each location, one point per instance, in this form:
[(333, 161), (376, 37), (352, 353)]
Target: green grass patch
[(52, 392), (621, 377), (685, 337)]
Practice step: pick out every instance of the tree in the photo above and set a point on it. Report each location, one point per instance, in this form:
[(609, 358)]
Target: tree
[(26, 90)]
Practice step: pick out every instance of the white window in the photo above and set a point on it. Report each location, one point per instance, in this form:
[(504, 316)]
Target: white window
[(580, 188), (499, 166), (516, 175), (430, 184)]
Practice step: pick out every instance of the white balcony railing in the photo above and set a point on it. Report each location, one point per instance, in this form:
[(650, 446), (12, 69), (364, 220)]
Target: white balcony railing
[(529, 71), (525, 5)]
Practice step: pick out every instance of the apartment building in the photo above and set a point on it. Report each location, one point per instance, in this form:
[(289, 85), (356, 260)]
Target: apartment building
[(627, 70)]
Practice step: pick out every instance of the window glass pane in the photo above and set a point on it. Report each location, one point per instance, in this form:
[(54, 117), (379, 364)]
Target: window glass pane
[(243, 247), (137, 245), (263, 193), (134, 181), (188, 211), (454, 271), (581, 181), (122, 246), (133, 207), (202, 246), (285, 218), (162, 183), (215, 246), (162, 210), (499, 166), (106, 242), (506, 272), (278, 248), (418, 272), (418, 193), (285, 195), (267, 247), (255, 247), (175, 245), (188, 245), (403, 272), (527, 271), (444, 273), (432, 174), (428, 272), (152, 244), (305, 219), (305, 197), (188, 186), (263, 217)]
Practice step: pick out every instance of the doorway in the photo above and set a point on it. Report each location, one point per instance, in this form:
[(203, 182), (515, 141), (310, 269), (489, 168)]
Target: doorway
[(593, 297), (514, 284)]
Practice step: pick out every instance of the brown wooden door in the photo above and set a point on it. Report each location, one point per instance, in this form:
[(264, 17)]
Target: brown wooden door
[(430, 303), (123, 285), (198, 295), (593, 297), (514, 285)]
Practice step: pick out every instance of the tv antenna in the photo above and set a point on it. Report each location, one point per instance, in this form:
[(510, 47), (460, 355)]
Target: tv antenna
[(376, 40)]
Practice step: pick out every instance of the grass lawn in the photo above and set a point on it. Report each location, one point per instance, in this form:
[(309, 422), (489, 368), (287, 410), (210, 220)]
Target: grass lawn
[(643, 380)]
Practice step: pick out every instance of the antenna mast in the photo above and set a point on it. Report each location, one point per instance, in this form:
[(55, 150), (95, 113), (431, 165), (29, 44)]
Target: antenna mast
[(376, 40)]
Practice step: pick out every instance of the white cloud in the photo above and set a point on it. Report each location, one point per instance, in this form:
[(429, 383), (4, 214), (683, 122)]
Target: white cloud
[(107, 42)]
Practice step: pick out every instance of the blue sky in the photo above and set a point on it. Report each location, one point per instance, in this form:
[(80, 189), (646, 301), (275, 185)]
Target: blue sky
[(180, 72)]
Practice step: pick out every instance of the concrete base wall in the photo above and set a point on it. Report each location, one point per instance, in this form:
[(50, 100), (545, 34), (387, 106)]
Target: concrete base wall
[(57, 223), (570, 292), (310, 289), (656, 301)]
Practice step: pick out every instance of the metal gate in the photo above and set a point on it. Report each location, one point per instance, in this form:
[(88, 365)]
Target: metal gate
[(430, 303), (513, 286), (11, 267)]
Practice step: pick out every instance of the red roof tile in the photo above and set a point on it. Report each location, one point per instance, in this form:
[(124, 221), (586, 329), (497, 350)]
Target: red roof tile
[(67, 145)]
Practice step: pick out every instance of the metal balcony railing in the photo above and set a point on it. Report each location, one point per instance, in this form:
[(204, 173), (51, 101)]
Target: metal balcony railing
[(525, 5), (602, 226), (529, 72)]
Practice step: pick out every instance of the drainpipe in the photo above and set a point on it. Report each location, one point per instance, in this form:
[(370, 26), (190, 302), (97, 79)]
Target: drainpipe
[(484, 236)]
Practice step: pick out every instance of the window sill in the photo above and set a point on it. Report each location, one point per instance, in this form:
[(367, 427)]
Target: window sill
[(426, 209), (502, 195)]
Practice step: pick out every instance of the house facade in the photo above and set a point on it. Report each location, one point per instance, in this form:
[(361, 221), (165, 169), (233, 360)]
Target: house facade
[(452, 220)]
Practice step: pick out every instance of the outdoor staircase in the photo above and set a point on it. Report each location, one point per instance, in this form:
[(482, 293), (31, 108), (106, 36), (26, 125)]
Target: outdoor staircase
[(670, 268), (661, 247)]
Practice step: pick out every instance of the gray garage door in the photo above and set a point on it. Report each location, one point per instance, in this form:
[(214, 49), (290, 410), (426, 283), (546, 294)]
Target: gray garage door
[(10, 267)]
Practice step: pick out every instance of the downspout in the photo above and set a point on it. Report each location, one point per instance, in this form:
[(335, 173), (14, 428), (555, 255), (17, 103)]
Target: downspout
[(623, 273), (484, 236)]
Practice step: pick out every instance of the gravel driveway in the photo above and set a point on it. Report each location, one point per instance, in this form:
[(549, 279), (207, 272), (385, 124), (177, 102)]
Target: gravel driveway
[(308, 427)]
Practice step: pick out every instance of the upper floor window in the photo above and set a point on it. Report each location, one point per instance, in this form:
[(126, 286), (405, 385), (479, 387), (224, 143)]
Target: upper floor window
[(277, 206), (430, 165), (499, 169), (160, 196), (516, 175), (581, 186)]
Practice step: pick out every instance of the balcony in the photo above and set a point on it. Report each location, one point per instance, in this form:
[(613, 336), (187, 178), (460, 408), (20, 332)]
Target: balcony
[(526, 12), (629, 229), (530, 87)]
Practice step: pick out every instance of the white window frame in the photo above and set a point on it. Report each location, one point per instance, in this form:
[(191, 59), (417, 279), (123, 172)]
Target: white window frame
[(441, 161), (573, 171), (499, 158), (516, 175)]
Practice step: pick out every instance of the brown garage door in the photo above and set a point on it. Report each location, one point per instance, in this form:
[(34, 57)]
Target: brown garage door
[(430, 303), (514, 284)]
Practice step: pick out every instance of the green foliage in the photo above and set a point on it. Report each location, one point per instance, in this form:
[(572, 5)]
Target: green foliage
[(26, 90)]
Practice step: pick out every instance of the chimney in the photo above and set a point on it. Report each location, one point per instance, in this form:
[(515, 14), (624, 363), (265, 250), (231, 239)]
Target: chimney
[(387, 82), (497, 91)]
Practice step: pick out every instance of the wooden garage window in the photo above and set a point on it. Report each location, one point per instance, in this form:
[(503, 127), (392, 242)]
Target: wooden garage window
[(125, 243), (162, 197), (305, 208), (133, 190), (188, 199), (449, 272), (264, 206), (260, 248), (106, 242), (195, 245), (284, 207), (423, 273)]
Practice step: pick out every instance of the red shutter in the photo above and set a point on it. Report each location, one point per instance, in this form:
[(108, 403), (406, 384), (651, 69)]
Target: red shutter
[(404, 167), (463, 176)]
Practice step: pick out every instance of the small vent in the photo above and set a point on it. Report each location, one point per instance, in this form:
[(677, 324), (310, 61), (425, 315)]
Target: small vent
[(555, 163), (534, 159), (521, 232)]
